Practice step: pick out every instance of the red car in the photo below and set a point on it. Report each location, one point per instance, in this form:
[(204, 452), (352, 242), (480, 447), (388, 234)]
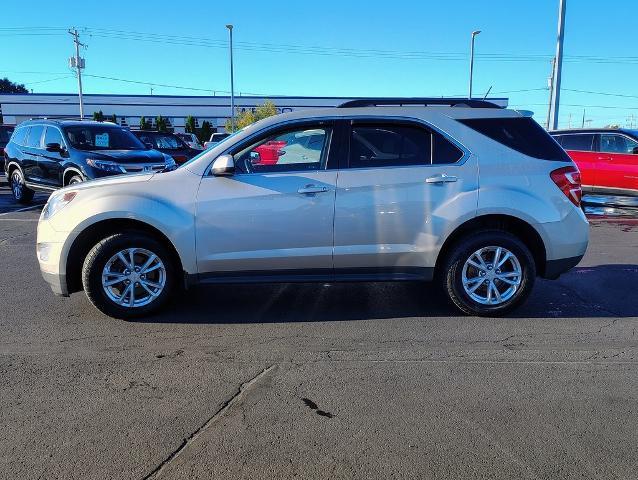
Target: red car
[(607, 158), (269, 152)]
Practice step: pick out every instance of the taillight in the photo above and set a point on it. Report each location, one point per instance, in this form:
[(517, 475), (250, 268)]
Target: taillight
[(568, 180)]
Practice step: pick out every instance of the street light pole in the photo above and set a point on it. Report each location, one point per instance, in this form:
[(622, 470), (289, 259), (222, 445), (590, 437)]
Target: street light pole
[(232, 79), (474, 34), (558, 66)]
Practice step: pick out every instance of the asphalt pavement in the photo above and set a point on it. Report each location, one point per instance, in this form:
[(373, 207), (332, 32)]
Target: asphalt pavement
[(372, 380)]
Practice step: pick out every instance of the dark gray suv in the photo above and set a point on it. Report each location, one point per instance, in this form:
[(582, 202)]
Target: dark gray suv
[(50, 154)]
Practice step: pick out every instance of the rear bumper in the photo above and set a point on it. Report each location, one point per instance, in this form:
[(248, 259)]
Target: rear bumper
[(554, 268)]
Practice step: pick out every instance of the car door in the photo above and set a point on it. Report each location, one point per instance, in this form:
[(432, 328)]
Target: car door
[(581, 148), (30, 153), (403, 185), (50, 163), (618, 169), (270, 218)]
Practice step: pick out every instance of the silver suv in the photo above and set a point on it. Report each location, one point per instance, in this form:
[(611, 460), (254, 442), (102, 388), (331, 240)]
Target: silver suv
[(476, 197)]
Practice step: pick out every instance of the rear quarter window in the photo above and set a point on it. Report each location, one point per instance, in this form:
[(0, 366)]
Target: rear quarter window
[(19, 135), (521, 134)]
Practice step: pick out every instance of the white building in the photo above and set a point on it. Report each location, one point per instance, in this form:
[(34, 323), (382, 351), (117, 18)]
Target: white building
[(128, 109)]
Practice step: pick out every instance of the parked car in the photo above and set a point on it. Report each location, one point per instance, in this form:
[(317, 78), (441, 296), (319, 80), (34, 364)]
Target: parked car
[(191, 140), (215, 138), (607, 158), (49, 154), (5, 135), (478, 198), (168, 143)]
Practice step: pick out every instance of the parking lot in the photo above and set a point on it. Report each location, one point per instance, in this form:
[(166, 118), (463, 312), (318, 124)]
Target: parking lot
[(305, 381)]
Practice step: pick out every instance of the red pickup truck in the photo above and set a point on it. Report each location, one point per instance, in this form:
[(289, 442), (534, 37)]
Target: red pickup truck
[(607, 158)]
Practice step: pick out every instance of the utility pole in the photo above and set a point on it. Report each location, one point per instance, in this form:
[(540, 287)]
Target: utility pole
[(583, 124), (77, 62), (474, 34), (558, 65), (232, 79), (551, 94)]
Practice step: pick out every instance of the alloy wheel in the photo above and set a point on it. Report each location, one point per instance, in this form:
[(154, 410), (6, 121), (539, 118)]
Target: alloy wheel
[(16, 185), (133, 277), (491, 275)]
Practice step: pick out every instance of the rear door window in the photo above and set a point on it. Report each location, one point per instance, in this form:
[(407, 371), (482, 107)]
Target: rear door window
[(580, 142), (443, 151), (522, 134), (35, 136), (381, 145)]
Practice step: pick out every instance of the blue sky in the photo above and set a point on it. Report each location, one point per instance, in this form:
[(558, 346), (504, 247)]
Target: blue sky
[(335, 48)]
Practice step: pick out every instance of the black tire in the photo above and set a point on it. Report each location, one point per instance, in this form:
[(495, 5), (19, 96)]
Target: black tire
[(450, 275), (21, 193), (75, 179), (101, 253)]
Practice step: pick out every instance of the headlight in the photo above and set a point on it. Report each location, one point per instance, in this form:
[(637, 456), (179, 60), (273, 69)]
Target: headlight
[(106, 165), (57, 203), (169, 161)]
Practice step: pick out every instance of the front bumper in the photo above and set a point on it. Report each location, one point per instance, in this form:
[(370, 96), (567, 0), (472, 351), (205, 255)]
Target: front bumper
[(57, 282), (49, 252)]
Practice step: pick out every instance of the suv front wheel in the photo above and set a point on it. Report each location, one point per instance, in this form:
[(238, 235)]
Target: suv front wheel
[(489, 273), (128, 275), (21, 193)]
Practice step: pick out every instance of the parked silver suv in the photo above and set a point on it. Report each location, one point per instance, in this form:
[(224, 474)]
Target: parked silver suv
[(477, 197)]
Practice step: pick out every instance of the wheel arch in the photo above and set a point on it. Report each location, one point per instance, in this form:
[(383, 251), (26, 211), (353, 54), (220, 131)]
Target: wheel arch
[(11, 166), (525, 232), (68, 173), (90, 236)]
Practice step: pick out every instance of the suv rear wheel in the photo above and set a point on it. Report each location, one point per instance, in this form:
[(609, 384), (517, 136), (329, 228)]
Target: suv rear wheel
[(489, 273), (128, 275), (21, 193)]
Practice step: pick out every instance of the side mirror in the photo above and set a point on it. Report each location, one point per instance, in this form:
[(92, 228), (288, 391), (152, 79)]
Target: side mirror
[(635, 151), (224, 165), (54, 147)]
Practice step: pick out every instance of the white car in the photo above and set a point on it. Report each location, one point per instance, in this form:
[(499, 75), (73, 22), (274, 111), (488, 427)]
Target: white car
[(476, 197), (191, 140), (216, 138)]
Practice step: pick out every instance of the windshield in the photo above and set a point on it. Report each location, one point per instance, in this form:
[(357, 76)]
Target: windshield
[(98, 137), (164, 141)]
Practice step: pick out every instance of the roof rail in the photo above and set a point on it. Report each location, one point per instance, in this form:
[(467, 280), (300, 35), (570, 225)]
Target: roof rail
[(399, 101)]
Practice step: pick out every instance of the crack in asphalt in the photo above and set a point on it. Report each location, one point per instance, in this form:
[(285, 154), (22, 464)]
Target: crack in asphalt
[(238, 395)]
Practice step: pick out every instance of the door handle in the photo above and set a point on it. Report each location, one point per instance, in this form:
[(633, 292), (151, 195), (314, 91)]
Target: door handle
[(312, 189), (443, 178)]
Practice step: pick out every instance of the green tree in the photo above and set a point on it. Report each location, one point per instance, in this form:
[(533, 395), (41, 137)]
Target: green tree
[(113, 118), (7, 86), (244, 118), (205, 132), (98, 116), (160, 123), (144, 125), (190, 126)]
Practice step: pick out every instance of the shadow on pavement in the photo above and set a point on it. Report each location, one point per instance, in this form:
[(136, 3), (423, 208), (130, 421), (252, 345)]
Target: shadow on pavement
[(585, 292)]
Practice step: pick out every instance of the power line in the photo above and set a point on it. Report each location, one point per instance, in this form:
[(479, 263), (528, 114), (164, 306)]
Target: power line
[(206, 42)]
